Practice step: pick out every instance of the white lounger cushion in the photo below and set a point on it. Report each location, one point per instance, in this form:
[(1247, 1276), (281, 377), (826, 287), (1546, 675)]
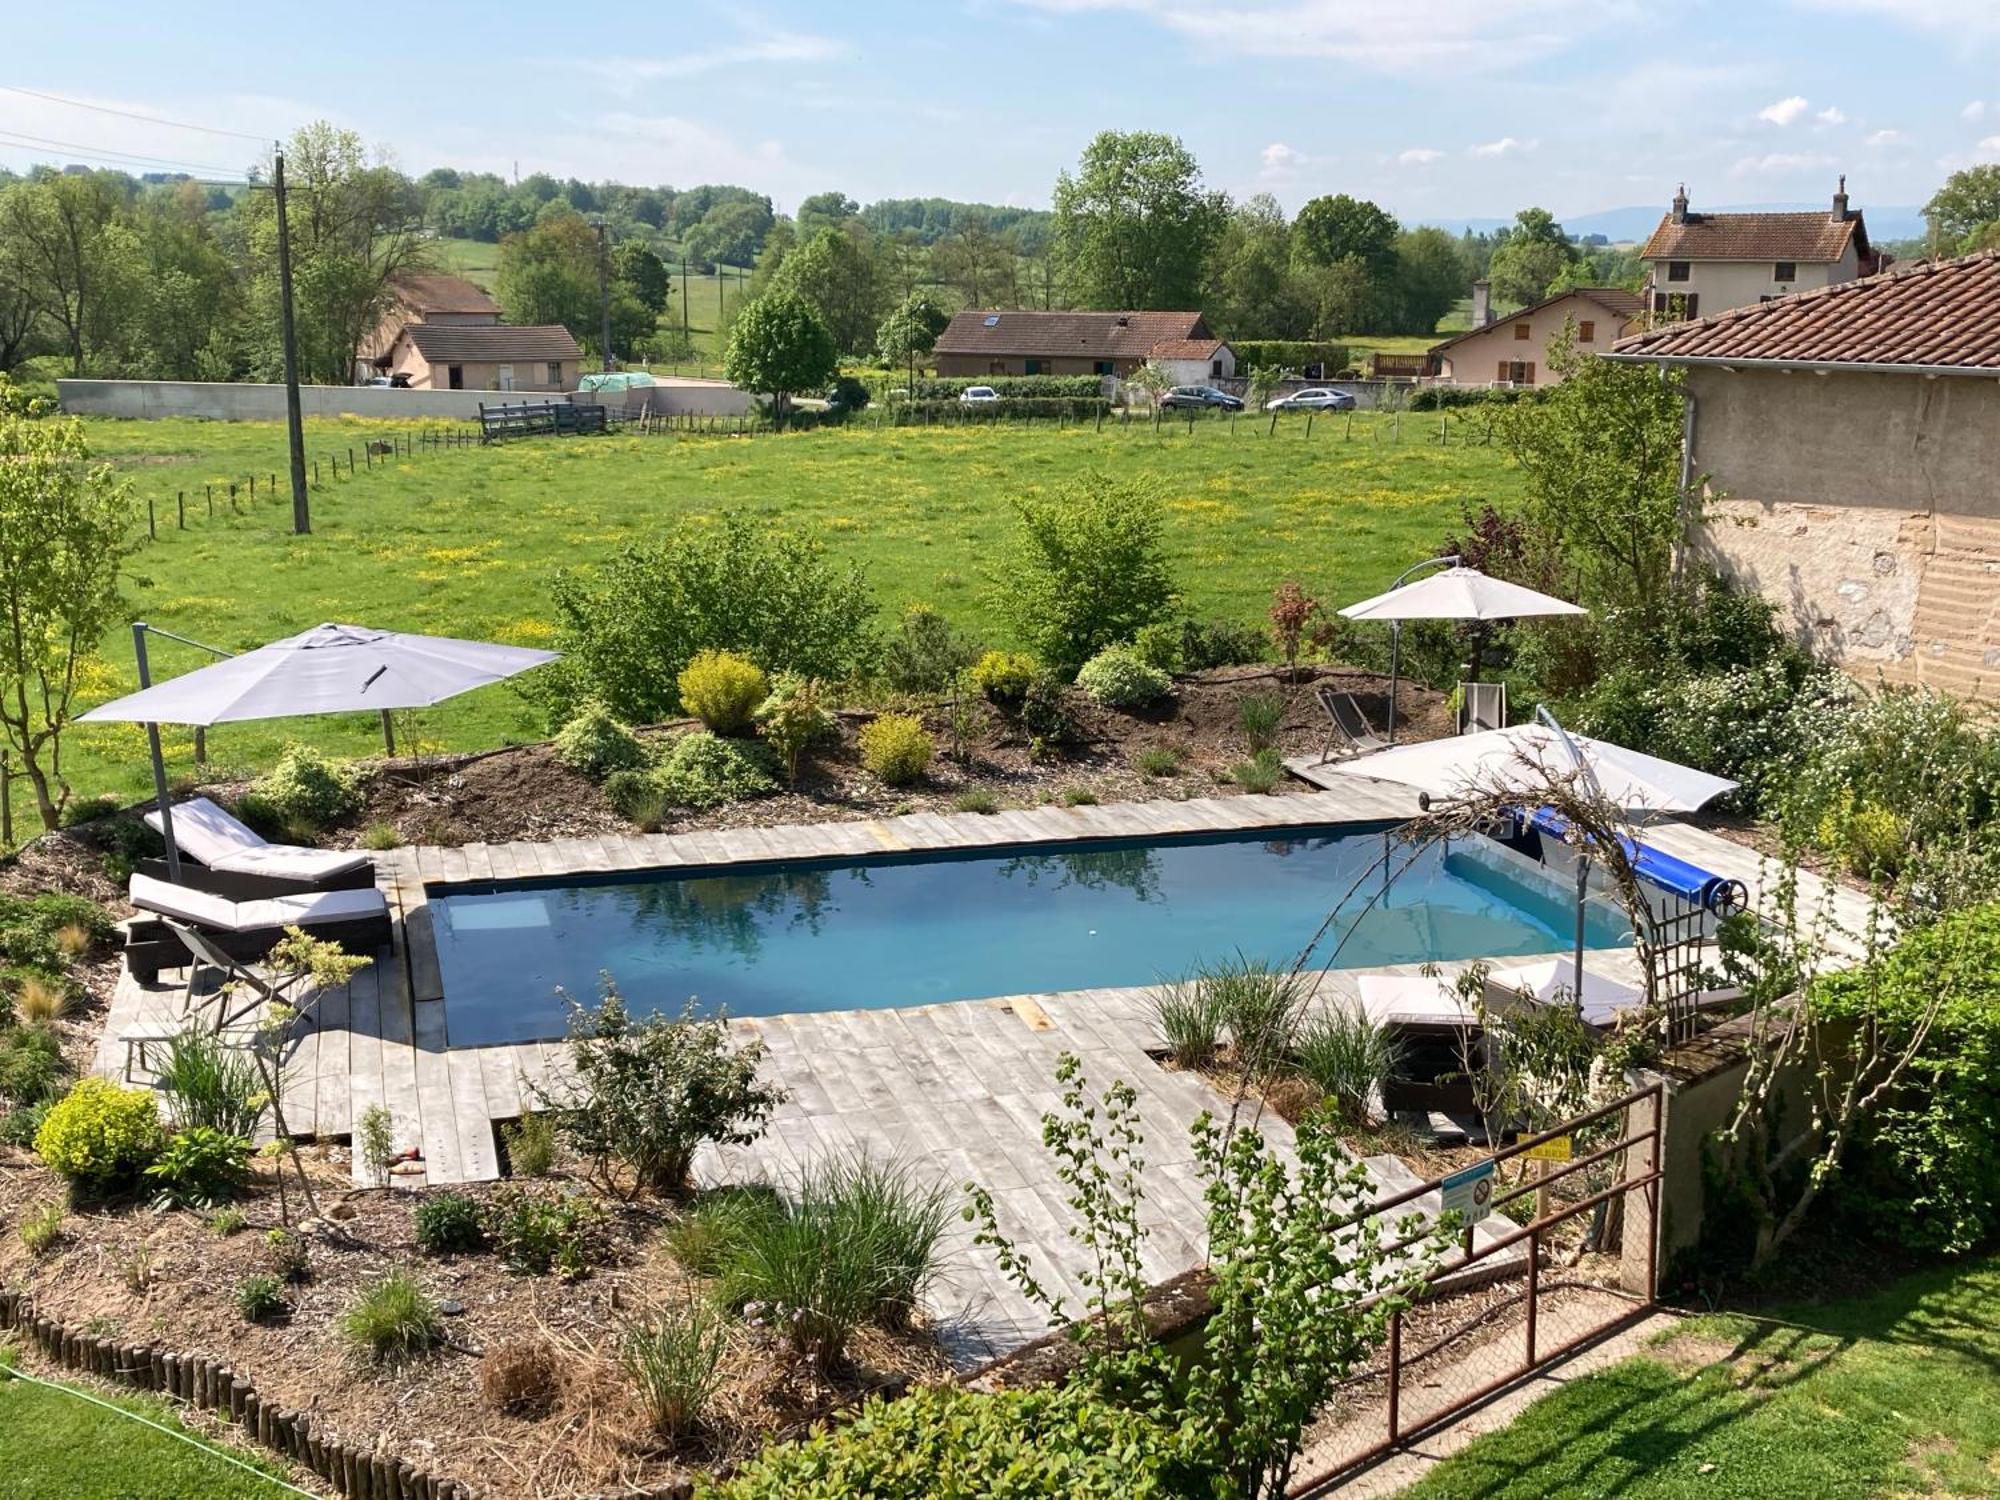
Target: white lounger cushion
[(201, 909), (210, 835), (1411, 1000), (1603, 998)]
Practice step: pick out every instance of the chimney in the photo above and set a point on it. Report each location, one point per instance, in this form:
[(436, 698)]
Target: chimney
[(1681, 205), (1840, 201), (1482, 303)]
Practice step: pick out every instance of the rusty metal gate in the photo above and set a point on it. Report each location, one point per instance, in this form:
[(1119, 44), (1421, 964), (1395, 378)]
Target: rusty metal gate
[(1564, 1255)]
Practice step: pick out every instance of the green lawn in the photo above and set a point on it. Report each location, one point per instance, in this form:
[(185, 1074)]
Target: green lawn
[(1897, 1393), (57, 1446), (464, 541)]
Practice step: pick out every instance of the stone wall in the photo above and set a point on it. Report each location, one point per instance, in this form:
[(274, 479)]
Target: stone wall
[(1867, 507)]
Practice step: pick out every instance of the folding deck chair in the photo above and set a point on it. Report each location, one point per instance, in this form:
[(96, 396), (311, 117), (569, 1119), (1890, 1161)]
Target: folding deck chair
[(1345, 721)]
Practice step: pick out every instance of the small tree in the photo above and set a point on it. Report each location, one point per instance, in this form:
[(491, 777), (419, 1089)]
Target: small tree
[(1292, 609), (910, 332), (1151, 381), (647, 1093), (1088, 570), (794, 718), (780, 346), (1262, 381), (64, 526)]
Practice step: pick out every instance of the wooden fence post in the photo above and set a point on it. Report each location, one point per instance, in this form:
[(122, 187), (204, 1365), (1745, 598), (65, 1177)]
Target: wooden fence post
[(181, 508), (152, 530)]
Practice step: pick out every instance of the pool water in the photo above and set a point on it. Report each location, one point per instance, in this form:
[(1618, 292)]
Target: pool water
[(908, 930)]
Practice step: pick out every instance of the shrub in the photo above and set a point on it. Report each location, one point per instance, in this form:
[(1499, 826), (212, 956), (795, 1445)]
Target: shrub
[(375, 1140), (793, 719), (208, 1084), (1088, 570), (1159, 646), (521, 1379), (638, 796), (31, 1065), (722, 690), (531, 1145), (977, 799), (98, 1134), (536, 1233), (596, 744), (1048, 717), (674, 1360), (1261, 773), (260, 1298), (19, 1126), (225, 1222), (1117, 678), (739, 584), (1034, 387), (1261, 717), (1347, 1056), (1004, 677), (702, 771), (943, 1440), (925, 656), (1207, 644), (1190, 1016), (449, 1224), (393, 1317), (288, 1255), (200, 1167), (648, 1092), (1157, 760), (308, 789), (896, 748), (42, 1228)]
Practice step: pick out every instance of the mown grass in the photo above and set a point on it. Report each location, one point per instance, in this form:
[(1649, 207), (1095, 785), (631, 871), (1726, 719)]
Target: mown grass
[(1896, 1393), (56, 1446), (465, 541)]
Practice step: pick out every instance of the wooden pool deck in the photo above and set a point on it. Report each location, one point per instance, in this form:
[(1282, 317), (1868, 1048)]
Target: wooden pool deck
[(956, 1088)]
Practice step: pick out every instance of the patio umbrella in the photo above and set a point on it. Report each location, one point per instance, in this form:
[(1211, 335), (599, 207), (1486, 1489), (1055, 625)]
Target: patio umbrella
[(1525, 758), (1457, 593), (329, 669)]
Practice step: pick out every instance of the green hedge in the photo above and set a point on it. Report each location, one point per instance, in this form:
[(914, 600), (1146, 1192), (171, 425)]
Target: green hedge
[(946, 388), (958, 413), (1452, 397), (1287, 354)]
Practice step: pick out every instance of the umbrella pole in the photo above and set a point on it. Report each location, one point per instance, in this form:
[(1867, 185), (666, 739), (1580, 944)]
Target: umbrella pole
[(159, 761), (388, 733)]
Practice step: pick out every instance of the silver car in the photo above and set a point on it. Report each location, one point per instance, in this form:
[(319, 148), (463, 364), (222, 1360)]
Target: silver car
[(978, 395), (1314, 398)]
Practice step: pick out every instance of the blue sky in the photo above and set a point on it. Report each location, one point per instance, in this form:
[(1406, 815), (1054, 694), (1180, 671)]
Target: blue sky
[(1439, 109)]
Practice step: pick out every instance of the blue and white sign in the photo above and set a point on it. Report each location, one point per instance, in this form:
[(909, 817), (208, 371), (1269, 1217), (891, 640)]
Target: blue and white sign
[(1470, 1192)]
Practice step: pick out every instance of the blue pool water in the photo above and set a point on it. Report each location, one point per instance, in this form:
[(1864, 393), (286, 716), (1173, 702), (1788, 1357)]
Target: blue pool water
[(908, 930)]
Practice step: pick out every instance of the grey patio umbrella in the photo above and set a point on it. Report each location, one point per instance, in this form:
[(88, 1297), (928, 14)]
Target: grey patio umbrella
[(1457, 593), (330, 669)]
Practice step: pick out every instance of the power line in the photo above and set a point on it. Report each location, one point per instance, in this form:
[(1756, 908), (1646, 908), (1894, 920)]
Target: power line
[(105, 153), (105, 109)]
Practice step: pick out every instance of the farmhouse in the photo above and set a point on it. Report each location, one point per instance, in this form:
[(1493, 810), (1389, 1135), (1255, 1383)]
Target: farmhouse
[(444, 334), (1082, 343), (1700, 264), (1849, 437), (1514, 351)]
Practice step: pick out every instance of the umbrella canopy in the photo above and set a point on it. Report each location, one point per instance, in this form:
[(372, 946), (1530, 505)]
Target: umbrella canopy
[(1527, 756), (1460, 594), (329, 669)]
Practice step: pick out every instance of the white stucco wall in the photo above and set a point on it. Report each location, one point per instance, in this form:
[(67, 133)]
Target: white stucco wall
[(1723, 284), (1476, 361)]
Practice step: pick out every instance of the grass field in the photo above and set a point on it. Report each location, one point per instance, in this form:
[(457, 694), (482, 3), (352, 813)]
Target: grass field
[(56, 1446), (465, 541), (1897, 1393)]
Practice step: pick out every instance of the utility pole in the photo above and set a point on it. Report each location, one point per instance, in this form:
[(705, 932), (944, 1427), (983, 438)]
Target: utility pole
[(604, 296), (687, 339), (294, 422)]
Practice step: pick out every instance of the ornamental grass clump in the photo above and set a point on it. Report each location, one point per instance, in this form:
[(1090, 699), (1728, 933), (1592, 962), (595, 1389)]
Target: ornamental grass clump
[(673, 1358), (723, 690), (1348, 1057), (1190, 1017), (393, 1318), (1261, 716), (208, 1084)]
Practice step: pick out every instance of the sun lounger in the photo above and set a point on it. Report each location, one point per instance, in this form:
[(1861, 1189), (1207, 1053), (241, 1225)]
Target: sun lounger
[(357, 920), (1345, 721), (232, 860)]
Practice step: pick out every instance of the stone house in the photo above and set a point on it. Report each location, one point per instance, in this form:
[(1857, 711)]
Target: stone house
[(1850, 442)]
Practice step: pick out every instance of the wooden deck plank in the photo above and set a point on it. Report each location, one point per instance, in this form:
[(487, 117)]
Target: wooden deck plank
[(397, 1029), (437, 1111), (365, 1087), (333, 1058), (472, 1116)]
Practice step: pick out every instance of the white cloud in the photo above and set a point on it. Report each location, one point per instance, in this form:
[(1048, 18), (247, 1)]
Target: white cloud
[(1778, 163), (1991, 143), (1419, 156), (1507, 145), (1280, 162), (1886, 138), (627, 73), (1973, 111), (1784, 111), (1831, 115), (1421, 36)]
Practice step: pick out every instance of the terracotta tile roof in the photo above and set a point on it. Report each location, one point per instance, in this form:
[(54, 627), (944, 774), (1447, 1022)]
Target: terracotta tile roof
[(1943, 314), (453, 343), (1615, 300), (1186, 349), (443, 294), (1075, 335), (1815, 238)]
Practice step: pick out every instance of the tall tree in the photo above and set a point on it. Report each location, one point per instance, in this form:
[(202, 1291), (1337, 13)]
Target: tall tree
[(1430, 277), (1134, 226), (780, 347), (824, 211), (910, 332), (1253, 293), (643, 273), (979, 263), (1535, 253), (22, 324), (548, 274), (65, 526), (1330, 230), (839, 272), (1963, 211), (80, 259)]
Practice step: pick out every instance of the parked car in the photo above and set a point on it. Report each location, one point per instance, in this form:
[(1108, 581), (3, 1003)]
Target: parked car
[(1200, 396), (977, 395), (399, 381), (1316, 398)]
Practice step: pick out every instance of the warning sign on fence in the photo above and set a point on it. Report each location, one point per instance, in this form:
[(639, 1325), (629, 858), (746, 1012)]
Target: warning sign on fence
[(1555, 1148), (1470, 1192)]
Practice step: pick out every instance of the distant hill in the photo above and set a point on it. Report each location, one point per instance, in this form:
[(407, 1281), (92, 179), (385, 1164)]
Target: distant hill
[(1887, 221)]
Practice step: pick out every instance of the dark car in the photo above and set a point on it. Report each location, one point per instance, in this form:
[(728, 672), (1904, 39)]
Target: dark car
[(1199, 395)]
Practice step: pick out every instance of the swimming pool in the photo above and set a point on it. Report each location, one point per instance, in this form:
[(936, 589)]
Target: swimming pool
[(911, 929)]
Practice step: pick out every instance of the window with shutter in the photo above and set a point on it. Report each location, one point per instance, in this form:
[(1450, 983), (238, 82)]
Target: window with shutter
[(1586, 332)]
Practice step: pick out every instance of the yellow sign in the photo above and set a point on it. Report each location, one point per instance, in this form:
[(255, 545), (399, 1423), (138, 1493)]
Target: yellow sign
[(1555, 1148)]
